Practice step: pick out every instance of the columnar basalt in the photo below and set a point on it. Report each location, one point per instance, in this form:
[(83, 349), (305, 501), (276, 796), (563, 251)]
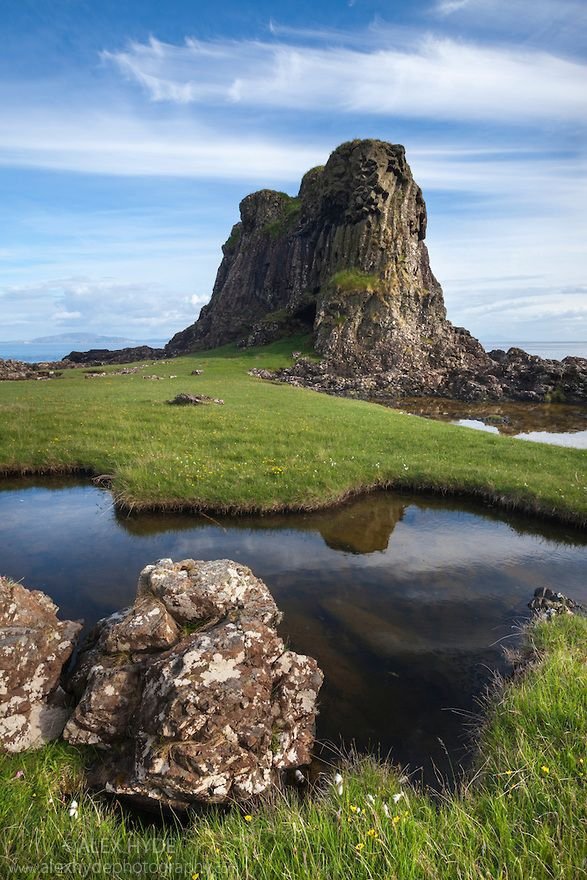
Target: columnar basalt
[(191, 692), (346, 260)]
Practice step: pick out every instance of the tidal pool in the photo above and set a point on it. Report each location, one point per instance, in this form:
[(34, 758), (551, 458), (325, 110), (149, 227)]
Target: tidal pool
[(405, 601), (554, 423)]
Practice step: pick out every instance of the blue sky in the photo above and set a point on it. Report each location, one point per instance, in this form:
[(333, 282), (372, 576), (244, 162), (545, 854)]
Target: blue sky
[(129, 132)]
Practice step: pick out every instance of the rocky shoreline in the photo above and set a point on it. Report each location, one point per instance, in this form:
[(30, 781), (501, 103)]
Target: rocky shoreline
[(514, 375)]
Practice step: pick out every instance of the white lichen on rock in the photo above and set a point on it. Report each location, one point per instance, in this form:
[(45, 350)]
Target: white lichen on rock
[(191, 692)]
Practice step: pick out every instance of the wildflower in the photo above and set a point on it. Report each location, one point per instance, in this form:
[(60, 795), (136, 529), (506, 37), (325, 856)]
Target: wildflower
[(371, 833), (508, 772), (545, 769), (248, 818), (19, 774), (338, 783), (196, 876), (397, 797), (73, 810), (370, 798), (395, 820), (355, 809), (386, 810), (359, 847)]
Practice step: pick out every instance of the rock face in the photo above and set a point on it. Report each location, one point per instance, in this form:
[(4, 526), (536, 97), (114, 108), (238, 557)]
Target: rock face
[(346, 260), (191, 691), (34, 647)]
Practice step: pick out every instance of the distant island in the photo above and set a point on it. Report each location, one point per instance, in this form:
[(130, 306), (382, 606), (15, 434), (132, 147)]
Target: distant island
[(74, 338)]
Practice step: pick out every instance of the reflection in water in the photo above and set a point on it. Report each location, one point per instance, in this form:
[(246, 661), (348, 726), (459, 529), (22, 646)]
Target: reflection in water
[(401, 599), (554, 423)]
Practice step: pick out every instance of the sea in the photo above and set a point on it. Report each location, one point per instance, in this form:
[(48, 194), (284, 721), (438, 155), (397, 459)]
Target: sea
[(35, 352), (32, 352)]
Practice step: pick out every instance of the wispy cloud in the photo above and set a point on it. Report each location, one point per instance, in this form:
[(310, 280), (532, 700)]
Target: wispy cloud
[(110, 143), (96, 304), (447, 7), (436, 78)]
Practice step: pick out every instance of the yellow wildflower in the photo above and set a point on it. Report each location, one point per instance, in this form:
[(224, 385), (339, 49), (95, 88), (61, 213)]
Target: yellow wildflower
[(248, 818), (545, 769), (395, 820), (371, 833), (359, 847)]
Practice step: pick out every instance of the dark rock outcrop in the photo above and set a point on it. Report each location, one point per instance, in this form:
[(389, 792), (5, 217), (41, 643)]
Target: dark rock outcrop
[(97, 357), (346, 260), (34, 647), (191, 692)]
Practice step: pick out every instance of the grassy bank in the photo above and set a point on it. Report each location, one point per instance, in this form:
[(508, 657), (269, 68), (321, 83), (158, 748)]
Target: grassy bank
[(269, 447), (521, 816)]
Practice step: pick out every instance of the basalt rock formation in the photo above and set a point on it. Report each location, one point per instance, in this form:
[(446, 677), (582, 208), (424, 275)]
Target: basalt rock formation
[(191, 692), (34, 647), (346, 261), (97, 357)]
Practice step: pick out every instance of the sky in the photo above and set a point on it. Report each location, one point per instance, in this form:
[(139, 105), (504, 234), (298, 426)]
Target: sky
[(130, 131)]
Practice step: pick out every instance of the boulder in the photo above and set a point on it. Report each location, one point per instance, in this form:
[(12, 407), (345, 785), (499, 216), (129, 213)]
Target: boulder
[(191, 692), (184, 399), (34, 647)]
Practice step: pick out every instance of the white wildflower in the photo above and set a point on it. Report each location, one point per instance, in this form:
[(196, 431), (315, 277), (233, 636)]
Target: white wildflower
[(73, 810), (397, 797), (338, 783)]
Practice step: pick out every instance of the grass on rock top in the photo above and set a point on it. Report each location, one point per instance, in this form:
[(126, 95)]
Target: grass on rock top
[(270, 447), (522, 815)]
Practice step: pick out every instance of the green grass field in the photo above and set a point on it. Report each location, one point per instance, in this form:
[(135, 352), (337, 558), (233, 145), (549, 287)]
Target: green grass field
[(270, 447), (521, 815)]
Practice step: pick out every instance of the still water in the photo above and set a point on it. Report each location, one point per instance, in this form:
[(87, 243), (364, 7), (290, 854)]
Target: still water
[(553, 423), (405, 601)]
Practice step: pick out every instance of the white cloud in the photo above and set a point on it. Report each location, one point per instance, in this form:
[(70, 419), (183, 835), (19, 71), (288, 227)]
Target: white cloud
[(104, 305), (435, 78), (110, 143), (447, 7)]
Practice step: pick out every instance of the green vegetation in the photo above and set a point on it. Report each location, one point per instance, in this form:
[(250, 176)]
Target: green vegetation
[(356, 281), (234, 238), (522, 814), (270, 447), (289, 217)]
